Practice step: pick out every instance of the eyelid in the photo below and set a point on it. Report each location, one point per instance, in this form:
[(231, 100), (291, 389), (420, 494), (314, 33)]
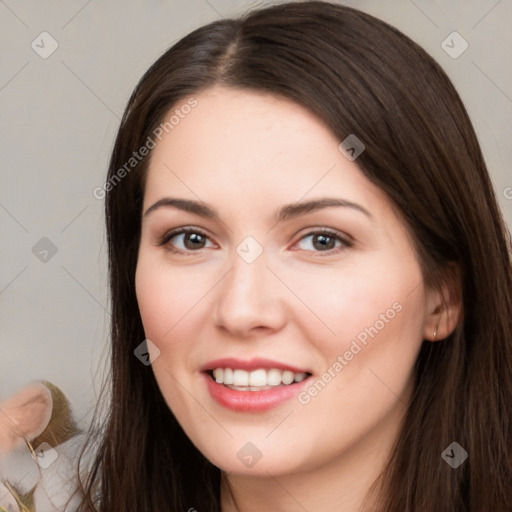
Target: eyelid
[(346, 240), (168, 235)]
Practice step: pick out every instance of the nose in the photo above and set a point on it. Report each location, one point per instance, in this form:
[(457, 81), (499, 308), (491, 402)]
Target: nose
[(250, 299)]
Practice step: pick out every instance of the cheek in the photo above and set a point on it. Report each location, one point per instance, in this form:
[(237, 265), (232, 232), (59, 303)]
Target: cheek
[(370, 314), (170, 302), (163, 296), (386, 351), (346, 302), (165, 299), (154, 300)]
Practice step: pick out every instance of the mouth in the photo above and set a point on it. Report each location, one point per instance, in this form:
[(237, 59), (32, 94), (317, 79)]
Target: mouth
[(254, 391), (261, 379)]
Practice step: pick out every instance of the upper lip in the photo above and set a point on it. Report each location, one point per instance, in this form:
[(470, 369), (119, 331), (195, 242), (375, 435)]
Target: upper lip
[(251, 364)]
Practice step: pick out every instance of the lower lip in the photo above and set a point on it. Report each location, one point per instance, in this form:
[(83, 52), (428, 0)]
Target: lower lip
[(252, 401)]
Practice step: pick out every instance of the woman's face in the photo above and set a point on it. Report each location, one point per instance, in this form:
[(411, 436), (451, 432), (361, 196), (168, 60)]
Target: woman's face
[(272, 269)]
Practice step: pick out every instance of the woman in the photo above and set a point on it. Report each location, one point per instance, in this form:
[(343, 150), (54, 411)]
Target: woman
[(305, 244)]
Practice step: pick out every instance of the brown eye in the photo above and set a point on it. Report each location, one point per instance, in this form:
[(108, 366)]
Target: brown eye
[(323, 241), (193, 240), (185, 240)]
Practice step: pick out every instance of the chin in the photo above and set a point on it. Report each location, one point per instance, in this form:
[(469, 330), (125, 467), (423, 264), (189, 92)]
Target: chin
[(255, 459)]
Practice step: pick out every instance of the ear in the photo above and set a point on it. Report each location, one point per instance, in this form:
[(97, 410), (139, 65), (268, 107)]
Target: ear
[(24, 416), (444, 305)]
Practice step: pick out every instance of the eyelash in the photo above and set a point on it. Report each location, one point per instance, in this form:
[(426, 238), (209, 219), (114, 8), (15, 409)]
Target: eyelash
[(167, 237)]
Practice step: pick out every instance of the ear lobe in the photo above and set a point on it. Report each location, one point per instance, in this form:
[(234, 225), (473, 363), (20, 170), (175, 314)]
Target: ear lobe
[(444, 306), (24, 416)]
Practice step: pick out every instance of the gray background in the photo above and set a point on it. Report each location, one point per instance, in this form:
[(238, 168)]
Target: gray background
[(59, 117)]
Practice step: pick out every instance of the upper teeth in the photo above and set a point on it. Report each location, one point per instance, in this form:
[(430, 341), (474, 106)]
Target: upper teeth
[(261, 377)]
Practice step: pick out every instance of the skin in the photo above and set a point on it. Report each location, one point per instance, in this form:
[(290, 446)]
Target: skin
[(247, 154)]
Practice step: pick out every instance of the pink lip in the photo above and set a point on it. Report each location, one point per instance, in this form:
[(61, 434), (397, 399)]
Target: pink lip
[(252, 364), (251, 401)]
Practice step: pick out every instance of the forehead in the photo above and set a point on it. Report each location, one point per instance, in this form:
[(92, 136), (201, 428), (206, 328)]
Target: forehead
[(241, 145), (227, 122)]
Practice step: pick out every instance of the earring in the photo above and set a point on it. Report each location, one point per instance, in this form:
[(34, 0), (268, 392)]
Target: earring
[(435, 334)]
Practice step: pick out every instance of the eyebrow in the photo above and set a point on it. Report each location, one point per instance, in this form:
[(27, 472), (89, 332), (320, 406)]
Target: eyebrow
[(286, 212)]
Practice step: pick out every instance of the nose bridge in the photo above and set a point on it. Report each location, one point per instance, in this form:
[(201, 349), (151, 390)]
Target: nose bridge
[(248, 297)]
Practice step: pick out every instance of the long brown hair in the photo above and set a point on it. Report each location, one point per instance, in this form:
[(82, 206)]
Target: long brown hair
[(363, 77)]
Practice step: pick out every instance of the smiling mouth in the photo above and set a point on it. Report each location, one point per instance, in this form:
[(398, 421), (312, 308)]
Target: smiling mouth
[(257, 380)]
